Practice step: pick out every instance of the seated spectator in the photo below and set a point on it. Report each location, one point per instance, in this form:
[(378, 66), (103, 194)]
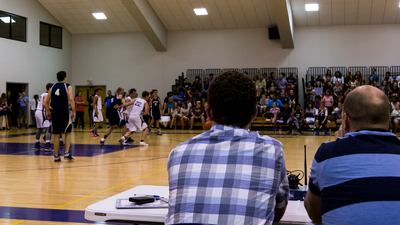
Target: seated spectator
[(262, 107), (291, 79), (260, 85), (308, 90), (398, 79), (297, 118), (328, 100), (328, 86), (395, 89), (166, 115), (328, 73), (337, 114), (353, 86), (320, 79), (202, 189), (291, 95), (310, 109), (206, 85), (274, 110), (319, 90), (196, 86), (374, 75), (175, 114), (313, 95), (169, 95), (274, 78), (317, 102), (281, 83), (312, 81), (270, 82), (322, 121), (274, 99), (287, 110), (395, 118), (170, 103), (289, 87), (285, 99), (364, 154), (347, 86), (272, 93), (328, 78), (362, 82), (197, 115), (186, 84), (338, 78), (388, 77), (210, 78), (347, 78), (176, 97), (337, 88), (358, 76)]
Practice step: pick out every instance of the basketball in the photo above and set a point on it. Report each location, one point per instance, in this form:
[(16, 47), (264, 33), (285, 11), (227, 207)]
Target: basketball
[(208, 125)]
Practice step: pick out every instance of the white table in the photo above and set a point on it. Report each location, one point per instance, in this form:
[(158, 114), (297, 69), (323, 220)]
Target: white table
[(105, 211)]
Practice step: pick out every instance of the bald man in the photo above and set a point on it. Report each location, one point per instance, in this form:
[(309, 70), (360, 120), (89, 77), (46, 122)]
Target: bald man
[(356, 179)]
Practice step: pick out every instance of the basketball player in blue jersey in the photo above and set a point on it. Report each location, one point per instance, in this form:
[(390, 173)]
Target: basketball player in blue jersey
[(60, 98), (97, 112), (42, 122), (155, 111), (115, 117)]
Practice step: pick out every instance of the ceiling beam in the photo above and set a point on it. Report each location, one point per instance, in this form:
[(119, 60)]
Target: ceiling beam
[(284, 21), (148, 22)]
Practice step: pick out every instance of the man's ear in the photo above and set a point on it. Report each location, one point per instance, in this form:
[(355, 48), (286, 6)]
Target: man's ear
[(347, 124), (210, 116)]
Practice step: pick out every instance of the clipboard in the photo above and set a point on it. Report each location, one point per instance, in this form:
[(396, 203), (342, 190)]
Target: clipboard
[(126, 204)]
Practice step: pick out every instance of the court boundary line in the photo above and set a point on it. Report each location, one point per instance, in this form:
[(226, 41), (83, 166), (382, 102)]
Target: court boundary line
[(71, 167)]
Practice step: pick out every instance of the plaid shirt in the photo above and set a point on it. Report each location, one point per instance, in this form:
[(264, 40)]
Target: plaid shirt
[(227, 176)]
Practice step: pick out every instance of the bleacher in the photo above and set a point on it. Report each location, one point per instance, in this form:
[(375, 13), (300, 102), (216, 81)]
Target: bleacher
[(261, 122)]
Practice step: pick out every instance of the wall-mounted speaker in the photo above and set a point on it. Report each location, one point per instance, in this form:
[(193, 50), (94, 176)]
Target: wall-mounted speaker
[(273, 33)]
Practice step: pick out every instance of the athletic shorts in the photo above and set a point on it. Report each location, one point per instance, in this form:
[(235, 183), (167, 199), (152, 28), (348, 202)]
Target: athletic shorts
[(61, 121), (136, 123), (41, 119), (115, 119), (195, 120), (3, 113), (296, 122), (320, 119), (99, 117), (155, 114), (22, 111)]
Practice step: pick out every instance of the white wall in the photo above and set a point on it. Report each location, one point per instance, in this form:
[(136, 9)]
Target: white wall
[(129, 60), (28, 62)]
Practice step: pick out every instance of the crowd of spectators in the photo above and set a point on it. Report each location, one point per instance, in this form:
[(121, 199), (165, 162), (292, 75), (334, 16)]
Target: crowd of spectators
[(322, 92)]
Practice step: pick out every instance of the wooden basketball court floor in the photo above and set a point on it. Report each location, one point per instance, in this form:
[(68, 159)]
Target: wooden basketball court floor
[(36, 190)]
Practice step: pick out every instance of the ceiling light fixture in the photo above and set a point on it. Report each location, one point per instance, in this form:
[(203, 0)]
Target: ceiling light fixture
[(312, 7), (99, 16), (7, 19), (201, 11)]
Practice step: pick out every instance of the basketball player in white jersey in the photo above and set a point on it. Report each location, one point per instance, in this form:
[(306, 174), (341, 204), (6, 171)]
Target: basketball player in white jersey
[(136, 118), (42, 122), (97, 112), (132, 96)]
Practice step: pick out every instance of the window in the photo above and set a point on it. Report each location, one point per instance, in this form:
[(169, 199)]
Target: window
[(12, 26), (50, 35)]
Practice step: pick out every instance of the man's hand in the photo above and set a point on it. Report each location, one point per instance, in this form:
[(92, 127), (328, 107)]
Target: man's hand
[(48, 114), (73, 116), (96, 112)]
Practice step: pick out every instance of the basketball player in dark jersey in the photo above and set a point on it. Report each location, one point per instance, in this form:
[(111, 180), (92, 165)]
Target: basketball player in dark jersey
[(114, 115), (297, 117), (155, 111), (60, 98)]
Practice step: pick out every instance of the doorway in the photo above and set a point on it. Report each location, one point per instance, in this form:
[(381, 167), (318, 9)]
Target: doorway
[(16, 89), (87, 91)]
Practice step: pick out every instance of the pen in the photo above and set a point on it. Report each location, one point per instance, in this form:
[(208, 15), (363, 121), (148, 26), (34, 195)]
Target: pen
[(150, 196)]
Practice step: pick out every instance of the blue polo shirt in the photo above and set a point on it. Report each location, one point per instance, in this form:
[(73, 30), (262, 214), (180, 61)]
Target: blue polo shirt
[(22, 102), (376, 77), (278, 103), (358, 178)]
